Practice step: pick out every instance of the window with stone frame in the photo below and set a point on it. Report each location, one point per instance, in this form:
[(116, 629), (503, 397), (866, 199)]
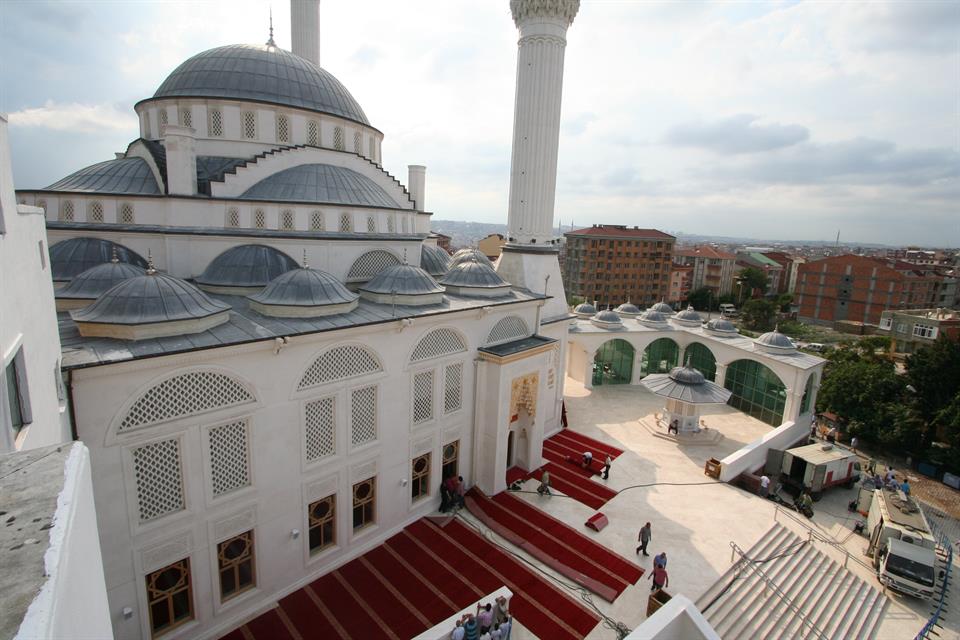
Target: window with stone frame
[(373, 147), (233, 217), (346, 222), (371, 225), (259, 219), (158, 478), (17, 390), (356, 142), (126, 213), (313, 133), (453, 387), (363, 415), (236, 563), (229, 458), (420, 477), (286, 220), (186, 115), (322, 516), (364, 503), (423, 397), (214, 122), (95, 211), (66, 210), (169, 597), (451, 460), (316, 221), (338, 143), (162, 117), (249, 125), (283, 128), (340, 363), (391, 223), (320, 424)]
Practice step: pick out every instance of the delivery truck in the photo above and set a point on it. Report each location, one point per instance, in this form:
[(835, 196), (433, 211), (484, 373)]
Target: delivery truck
[(902, 548), (814, 467)]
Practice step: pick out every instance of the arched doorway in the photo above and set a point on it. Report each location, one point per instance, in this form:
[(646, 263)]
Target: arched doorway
[(757, 391), (613, 363), (660, 356), (701, 358)]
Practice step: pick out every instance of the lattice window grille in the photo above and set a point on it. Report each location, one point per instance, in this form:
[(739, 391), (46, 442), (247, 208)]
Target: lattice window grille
[(370, 264), (286, 220), (320, 422), (316, 221), (126, 213), (391, 224), (229, 458), (509, 328), (346, 224), (340, 363), (158, 478), (185, 395), (95, 211), (363, 415), (313, 133), (186, 116), (373, 146), (438, 342), (260, 219), (371, 225), (422, 397), (453, 387), (162, 115), (283, 128), (249, 125), (215, 123), (233, 217), (66, 210), (356, 142), (338, 138)]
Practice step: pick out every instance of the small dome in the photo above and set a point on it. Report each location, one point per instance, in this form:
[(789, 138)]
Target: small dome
[(722, 328), (472, 278), (470, 253), (304, 293), (628, 309), (244, 269), (434, 260), (687, 375), (653, 319), (585, 310), (320, 183), (607, 319), (405, 284), (775, 342), (94, 282), (150, 306), (72, 257), (663, 308), (124, 175), (688, 317)]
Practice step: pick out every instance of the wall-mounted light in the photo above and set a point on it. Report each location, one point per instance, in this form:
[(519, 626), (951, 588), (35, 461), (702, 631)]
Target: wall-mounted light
[(295, 533), (127, 613)]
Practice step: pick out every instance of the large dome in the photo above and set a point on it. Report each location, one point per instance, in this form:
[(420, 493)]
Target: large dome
[(261, 74), (69, 258), (245, 269)]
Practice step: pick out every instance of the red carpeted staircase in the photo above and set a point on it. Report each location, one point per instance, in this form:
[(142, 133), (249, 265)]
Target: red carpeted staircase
[(580, 443), (565, 479), (415, 580), (557, 545)]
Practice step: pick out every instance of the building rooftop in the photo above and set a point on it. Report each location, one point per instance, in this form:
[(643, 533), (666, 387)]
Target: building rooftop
[(703, 252), (123, 176), (320, 183), (619, 231)]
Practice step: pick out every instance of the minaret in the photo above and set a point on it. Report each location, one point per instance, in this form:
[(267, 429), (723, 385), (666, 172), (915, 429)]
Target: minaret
[(530, 255), (305, 29)]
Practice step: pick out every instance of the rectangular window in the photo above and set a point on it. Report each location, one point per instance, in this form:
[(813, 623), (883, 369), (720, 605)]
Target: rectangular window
[(924, 331), (338, 143), (236, 563), (283, 128), (323, 530), (233, 217), (422, 397), (126, 213), (886, 323), (345, 222), (451, 460), (250, 125), (316, 221), (421, 477), (158, 476), (286, 220), (320, 423), (186, 116), (229, 457), (215, 123), (452, 387), (364, 503), (17, 396), (356, 142), (169, 597), (259, 219), (363, 415), (313, 133)]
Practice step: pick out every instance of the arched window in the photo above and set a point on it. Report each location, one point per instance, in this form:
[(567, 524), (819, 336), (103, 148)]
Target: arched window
[(250, 125), (660, 356), (340, 363), (391, 223), (701, 358), (356, 142), (215, 122), (807, 394), (338, 138), (316, 221), (95, 211), (186, 115), (613, 363), (757, 391), (66, 210), (162, 116), (286, 220), (346, 222), (437, 343), (233, 217), (370, 264), (313, 133), (371, 225), (126, 213), (507, 329), (259, 219), (283, 128)]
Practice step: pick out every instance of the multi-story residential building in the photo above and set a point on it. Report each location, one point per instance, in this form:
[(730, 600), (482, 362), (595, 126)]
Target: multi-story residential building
[(711, 268), (615, 263), (858, 289), (788, 265), (680, 279), (756, 260), (492, 245), (911, 329)]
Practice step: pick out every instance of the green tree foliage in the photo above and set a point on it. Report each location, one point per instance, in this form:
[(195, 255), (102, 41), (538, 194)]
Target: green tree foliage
[(948, 423), (701, 298), (856, 388), (934, 372), (758, 314), (784, 300), (753, 279)]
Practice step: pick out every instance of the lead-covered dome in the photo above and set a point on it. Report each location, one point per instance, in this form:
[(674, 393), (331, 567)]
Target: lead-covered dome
[(94, 282), (722, 328), (471, 278), (261, 74), (585, 310), (688, 318), (628, 309), (403, 284), (122, 176), (663, 308), (653, 319), (607, 319), (775, 342), (69, 258), (469, 253), (244, 269), (434, 260), (304, 293)]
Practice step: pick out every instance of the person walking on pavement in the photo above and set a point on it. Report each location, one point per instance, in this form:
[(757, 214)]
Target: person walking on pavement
[(660, 560), (660, 578), (644, 538), (606, 467)]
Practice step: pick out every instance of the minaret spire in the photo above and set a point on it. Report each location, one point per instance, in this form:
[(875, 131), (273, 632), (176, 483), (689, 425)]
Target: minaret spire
[(270, 42)]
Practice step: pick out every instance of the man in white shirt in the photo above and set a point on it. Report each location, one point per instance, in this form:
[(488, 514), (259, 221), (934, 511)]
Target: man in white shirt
[(764, 486)]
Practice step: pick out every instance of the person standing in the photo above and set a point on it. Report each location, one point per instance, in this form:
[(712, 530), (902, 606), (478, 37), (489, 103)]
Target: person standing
[(644, 537), (458, 632), (660, 560), (764, 486), (505, 627), (853, 443), (606, 467), (544, 488), (659, 577)]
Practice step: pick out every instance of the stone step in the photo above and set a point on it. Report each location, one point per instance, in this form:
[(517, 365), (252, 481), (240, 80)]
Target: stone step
[(785, 618), (764, 543)]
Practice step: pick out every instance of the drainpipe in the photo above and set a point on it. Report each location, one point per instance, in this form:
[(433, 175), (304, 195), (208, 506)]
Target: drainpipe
[(71, 412)]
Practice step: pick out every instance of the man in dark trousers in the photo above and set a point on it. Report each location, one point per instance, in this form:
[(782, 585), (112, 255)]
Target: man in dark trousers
[(644, 538), (606, 467)]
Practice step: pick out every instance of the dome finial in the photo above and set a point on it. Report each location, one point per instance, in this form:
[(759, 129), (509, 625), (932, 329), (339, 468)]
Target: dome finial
[(270, 42), (151, 270), (404, 256), (114, 258), (305, 265)]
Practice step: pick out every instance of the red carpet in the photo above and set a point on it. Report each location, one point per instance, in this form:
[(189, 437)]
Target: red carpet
[(415, 580), (563, 456), (555, 544), (516, 473), (581, 443), (567, 480)]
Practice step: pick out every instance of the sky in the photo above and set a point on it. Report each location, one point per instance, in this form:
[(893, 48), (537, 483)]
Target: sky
[(771, 120)]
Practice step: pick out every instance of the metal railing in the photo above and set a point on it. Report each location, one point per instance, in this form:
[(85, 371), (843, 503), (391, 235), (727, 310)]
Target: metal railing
[(746, 561), (813, 534), (935, 521)]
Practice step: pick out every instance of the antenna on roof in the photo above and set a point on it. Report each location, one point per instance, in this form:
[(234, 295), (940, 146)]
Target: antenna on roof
[(270, 42)]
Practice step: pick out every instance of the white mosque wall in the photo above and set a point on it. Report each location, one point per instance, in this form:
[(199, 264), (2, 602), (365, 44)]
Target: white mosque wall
[(282, 481), (754, 454), (29, 337)]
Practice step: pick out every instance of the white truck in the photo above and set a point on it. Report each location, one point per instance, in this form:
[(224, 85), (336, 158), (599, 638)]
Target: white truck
[(814, 467), (901, 546)]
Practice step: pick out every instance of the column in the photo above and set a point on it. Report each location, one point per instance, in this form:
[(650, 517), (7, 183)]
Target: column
[(721, 374)]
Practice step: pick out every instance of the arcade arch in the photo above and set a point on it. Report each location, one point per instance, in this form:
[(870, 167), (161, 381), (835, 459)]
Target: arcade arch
[(700, 357), (757, 391), (613, 363), (660, 356)]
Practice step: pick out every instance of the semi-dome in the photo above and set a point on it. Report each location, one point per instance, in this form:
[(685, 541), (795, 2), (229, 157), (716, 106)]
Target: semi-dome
[(469, 253), (688, 318), (775, 342), (663, 308), (607, 319), (471, 278), (244, 269), (628, 309), (653, 319), (722, 328), (261, 74), (122, 176), (304, 293), (69, 258), (153, 305), (403, 284), (320, 183), (585, 310), (434, 260), (94, 282)]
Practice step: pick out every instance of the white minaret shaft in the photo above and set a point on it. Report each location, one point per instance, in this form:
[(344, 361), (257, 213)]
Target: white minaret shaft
[(543, 28), (305, 29)]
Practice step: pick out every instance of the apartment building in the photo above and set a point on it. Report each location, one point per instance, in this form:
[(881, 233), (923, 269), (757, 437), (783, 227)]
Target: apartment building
[(711, 268)]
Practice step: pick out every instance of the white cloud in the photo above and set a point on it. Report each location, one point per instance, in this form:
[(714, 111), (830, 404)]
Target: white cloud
[(77, 118)]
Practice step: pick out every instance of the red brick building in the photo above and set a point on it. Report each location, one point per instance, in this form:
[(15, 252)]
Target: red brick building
[(711, 268), (681, 277), (858, 288)]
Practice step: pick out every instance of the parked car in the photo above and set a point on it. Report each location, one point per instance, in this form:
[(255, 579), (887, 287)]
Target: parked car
[(728, 310)]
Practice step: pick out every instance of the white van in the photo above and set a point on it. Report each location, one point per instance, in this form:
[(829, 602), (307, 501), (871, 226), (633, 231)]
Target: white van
[(815, 346), (728, 309)]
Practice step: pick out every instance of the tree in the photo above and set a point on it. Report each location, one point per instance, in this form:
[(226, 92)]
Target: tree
[(866, 392), (752, 279), (934, 373), (948, 421), (758, 314), (701, 298), (784, 300)]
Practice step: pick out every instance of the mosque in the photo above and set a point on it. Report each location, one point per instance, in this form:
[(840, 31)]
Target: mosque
[(273, 364)]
